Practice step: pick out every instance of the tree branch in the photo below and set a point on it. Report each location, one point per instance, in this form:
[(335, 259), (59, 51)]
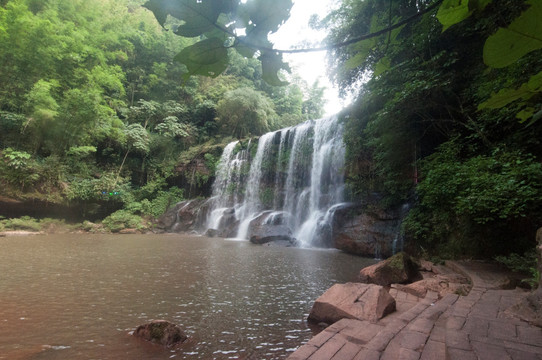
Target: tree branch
[(347, 42)]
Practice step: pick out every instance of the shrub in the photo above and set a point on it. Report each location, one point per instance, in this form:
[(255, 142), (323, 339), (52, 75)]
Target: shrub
[(479, 206), (26, 223), (124, 219), (525, 264)]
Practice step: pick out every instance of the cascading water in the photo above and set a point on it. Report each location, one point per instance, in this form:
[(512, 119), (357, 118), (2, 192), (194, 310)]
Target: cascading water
[(292, 180)]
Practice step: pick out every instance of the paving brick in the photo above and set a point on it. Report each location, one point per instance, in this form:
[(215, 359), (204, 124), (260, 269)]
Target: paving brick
[(411, 314), (455, 322), (367, 354), (486, 351), (347, 352), (524, 347), (502, 330), (341, 324), (413, 340), (522, 355), (421, 325), (459, 354), (362, 333), (438, 334), (322, 338), (462, 310), (329, 349), (303, 352), (458, 340), (408, 354), (530, 335), (434, 350), (381, 341), (488, 310), (476, 326)]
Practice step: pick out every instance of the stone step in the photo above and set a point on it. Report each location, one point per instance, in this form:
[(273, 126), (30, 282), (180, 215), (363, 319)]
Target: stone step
[(479, 327), (418, 333)]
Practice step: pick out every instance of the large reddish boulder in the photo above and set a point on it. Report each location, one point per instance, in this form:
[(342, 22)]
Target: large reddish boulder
[(352, 301), (398, 269), (161, 332)]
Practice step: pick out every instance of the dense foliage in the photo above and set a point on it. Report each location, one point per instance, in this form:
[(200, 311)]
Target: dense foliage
[(421, 129), (93, 109)]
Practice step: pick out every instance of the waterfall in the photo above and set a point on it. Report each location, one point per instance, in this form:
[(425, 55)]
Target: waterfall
[(290, 181)]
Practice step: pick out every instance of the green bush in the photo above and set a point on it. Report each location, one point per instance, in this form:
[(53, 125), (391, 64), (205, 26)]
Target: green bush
[(25, 223), (477, 206), (526, 264), (163, 201), (124, 219)]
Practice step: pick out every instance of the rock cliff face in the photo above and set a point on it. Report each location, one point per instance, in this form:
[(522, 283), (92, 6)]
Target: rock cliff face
[(368, 233), (353, 230), (185, 216)]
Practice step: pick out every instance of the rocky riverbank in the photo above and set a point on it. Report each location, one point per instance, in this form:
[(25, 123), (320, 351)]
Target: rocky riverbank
[(461, 310)]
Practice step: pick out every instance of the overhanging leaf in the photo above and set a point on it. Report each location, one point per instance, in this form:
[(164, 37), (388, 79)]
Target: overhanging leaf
[(245, 51), (525, 114), (208, 57), (523, 35), (506, 96), (198, 16), (453, 11), (271, 65), (268, 15), (383, 65)]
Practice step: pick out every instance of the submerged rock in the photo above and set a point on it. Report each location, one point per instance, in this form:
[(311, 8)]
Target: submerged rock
[(398, 269), (161, 332), (352, 301)]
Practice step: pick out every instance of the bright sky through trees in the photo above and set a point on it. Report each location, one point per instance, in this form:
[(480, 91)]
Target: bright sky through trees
[(297, 33)]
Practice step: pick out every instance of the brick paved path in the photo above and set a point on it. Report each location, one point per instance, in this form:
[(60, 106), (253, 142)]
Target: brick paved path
[(475, 326)]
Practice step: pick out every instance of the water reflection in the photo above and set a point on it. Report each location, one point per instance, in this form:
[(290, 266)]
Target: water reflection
[(78, 297)]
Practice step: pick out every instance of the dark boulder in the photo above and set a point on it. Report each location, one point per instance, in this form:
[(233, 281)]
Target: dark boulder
[(183, 217), (367, 233), (269, 227), (264, 233), (161, 332)]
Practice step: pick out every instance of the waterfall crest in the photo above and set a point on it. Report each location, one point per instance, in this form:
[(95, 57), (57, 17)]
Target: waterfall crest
[(290, 182)]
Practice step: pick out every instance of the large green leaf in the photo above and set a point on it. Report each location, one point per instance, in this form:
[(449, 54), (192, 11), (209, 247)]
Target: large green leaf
[(382, 66), (198, 16), (267, 15), (453, 11), (506, 96), (208, 57), (523, 35), (271, 65)]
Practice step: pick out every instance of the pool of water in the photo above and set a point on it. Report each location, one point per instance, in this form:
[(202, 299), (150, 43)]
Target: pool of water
[(80, 296)]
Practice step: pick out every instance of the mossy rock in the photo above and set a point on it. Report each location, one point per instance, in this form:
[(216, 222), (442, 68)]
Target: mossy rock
[(398, 269)]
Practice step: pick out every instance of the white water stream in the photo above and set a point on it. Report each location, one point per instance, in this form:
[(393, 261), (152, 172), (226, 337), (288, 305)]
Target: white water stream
[(295, 173)]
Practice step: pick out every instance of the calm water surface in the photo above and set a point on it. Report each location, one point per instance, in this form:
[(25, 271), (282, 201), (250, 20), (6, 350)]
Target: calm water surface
[(80, 296)]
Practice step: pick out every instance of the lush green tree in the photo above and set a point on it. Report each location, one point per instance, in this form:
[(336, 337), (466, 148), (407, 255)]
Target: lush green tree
[(244, 112), (419, 92)]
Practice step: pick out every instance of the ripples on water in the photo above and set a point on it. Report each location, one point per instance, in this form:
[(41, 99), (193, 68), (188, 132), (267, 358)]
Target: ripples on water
[(79, 296)]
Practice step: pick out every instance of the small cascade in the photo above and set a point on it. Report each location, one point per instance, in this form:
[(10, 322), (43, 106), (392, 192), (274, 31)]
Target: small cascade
[(291, 182)]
